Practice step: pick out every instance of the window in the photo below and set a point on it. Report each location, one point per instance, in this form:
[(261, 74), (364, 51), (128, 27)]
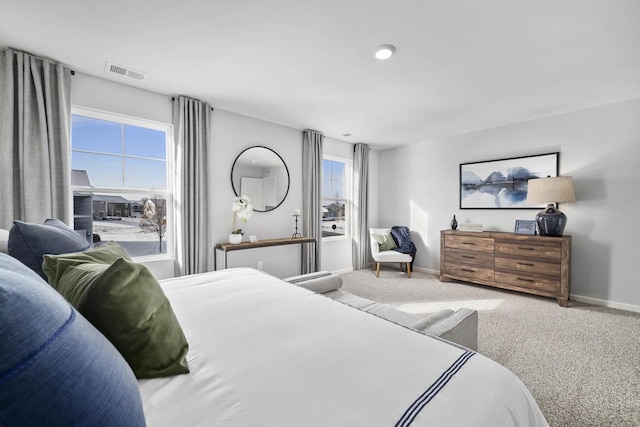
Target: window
[(335, 196), (121, 181)]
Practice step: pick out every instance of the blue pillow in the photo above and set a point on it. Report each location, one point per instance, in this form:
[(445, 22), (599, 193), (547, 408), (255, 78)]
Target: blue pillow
[(56, 368), (29, 242)]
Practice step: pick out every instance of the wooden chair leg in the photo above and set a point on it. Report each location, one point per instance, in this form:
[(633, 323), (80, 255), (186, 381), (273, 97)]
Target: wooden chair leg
[(377, 269), (409, 270)]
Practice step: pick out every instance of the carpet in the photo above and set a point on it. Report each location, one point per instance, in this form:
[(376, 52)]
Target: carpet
[(581, 364)]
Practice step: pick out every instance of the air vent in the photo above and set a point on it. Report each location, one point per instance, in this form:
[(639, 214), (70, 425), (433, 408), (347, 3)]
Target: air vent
[(125, 71)]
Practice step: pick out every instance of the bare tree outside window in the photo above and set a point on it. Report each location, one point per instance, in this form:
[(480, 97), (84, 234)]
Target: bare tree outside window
[(154, 217)]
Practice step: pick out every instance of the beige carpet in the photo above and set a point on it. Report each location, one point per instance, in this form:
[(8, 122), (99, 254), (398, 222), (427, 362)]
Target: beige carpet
[(582, 363)]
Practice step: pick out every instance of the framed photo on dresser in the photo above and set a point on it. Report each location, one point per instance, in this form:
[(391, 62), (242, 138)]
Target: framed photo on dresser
[(525, 227)]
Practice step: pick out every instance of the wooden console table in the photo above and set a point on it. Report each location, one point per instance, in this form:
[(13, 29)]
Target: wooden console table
[(228, 247)]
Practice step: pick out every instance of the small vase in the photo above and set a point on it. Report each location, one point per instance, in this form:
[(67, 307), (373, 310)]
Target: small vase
[(234, 239), (454, 223)]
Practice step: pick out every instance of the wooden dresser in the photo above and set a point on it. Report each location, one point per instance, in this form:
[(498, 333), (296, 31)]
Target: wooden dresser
[(537, 265)]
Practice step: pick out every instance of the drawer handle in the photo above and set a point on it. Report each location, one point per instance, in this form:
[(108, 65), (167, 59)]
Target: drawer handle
[(469, 243), (468, 256), (525, 280), (525, 248), (468, 270), (528, 264)]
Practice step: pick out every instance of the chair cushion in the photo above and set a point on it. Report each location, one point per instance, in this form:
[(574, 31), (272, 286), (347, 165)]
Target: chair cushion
[(125, 302), (29, 242), (56, 368), (392, 256)]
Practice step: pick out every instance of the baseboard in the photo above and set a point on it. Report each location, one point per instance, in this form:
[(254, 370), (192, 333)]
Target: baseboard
[(574, 297), (427, 270), (343, 270), (605, 303)]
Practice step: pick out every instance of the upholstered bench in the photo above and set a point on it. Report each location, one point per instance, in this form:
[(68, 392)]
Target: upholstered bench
[(460, 326)]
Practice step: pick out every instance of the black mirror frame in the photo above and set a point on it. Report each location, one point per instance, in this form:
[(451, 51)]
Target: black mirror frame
[(285, 168)]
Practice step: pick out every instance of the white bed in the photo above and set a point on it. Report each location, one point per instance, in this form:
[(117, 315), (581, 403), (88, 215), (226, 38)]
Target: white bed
[(267, 353)]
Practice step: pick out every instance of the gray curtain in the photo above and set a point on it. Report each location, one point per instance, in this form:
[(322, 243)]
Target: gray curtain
[(35, 120), (312, 198), (192, 130), (360, 222)]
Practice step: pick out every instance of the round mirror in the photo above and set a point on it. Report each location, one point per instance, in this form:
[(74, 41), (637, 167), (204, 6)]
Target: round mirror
[(260, 174)]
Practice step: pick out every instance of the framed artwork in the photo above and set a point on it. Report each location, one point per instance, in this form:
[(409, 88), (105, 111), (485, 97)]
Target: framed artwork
[(525, 227), (502, 184)]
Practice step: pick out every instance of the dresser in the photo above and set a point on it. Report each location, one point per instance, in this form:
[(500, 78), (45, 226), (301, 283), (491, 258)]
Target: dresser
[(536, 265)]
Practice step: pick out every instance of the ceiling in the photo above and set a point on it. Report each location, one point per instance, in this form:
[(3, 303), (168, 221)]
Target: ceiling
[(460, 65)]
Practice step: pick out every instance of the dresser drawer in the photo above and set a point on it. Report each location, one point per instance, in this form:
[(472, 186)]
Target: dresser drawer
[(469, 272), (527, 265), (464, 256), (529, 281), (529, 250), (484, 244)]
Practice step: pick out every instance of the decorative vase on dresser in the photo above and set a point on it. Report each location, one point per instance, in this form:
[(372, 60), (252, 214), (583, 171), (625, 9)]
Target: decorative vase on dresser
[(536, 265)]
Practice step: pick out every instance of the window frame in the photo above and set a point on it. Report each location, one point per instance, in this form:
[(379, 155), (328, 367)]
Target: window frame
[(348, 196), (167, 193)]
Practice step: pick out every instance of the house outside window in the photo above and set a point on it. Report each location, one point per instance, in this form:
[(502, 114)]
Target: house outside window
[(335, 197), (121, 170)]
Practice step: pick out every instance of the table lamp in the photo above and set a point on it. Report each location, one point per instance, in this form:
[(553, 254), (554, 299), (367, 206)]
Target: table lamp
[(552, 190)]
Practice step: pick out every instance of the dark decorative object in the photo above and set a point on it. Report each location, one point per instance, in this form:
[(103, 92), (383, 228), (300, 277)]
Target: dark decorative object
[(503, 184), (551, 221), (454, 223), (525, 227)]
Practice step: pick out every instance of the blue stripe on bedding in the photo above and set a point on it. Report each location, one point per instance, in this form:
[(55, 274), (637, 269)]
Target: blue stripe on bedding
[(412, 412)]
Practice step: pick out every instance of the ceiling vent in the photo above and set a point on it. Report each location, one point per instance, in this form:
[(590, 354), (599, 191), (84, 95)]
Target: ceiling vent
[(125, 71)]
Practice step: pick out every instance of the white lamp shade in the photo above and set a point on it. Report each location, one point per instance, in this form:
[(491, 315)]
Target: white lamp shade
[(551, 190)]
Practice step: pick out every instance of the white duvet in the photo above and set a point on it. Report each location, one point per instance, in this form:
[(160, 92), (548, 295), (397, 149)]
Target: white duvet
[(263, 352)]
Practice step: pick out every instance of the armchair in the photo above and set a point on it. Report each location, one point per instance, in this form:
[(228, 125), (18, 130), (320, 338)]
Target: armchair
[(386, 255)]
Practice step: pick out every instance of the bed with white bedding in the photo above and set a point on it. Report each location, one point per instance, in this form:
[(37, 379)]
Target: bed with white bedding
[(267, 353)]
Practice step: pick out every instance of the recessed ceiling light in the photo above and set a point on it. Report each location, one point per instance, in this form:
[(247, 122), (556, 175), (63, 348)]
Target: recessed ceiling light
[(385, 51)]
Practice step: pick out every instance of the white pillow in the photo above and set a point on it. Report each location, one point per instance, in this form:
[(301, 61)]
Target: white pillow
[(4, 241)]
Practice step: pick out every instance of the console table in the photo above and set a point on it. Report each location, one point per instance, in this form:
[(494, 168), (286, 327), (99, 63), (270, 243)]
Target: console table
[(228, 247), (536, 265)]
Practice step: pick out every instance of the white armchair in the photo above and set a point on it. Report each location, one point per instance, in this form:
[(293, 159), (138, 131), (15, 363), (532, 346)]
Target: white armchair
[(387, 256)]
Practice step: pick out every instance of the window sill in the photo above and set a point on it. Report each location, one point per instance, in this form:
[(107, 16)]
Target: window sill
[(152, 258), (335, 238)]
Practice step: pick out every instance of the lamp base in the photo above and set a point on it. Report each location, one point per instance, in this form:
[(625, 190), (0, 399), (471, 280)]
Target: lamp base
[(551, 221)]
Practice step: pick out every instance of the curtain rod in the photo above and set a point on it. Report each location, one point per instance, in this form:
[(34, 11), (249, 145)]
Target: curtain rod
[(73, 73), (173, 98)]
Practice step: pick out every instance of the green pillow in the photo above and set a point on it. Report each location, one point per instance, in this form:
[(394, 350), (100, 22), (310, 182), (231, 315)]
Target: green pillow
[(106, 253), (125, 302), (385, 241)]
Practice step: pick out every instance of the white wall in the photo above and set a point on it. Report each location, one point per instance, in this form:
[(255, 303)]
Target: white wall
[(599, 147), (231, 134)]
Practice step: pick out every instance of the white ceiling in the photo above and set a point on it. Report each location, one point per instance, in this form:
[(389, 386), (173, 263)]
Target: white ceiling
[(461, 65)]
